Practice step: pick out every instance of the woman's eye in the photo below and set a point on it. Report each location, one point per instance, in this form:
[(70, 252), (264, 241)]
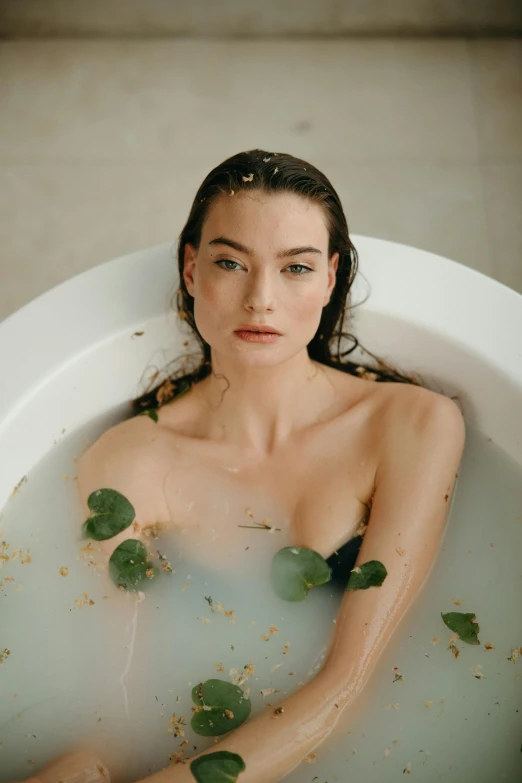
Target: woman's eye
[(303, 270), (226, 261), (300, 266)]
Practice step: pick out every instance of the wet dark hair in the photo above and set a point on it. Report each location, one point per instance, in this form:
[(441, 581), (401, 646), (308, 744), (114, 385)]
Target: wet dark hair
[(275, 172)]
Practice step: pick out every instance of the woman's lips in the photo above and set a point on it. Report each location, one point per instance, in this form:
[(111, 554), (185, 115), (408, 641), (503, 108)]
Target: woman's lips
[(256, 337)]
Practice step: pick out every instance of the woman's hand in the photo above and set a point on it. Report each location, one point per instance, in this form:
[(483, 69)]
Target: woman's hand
[(78, 767)]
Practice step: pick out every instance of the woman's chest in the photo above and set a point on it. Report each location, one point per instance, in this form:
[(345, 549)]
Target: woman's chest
[(314, 495)]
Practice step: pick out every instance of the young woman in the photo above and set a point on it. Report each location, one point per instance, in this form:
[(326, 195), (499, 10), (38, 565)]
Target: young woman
[(266, 265)]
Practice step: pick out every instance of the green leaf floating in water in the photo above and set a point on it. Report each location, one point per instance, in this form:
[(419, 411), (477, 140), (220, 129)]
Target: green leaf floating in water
[(463, 624), (219, 767), (111, 513), (295, 569), (129, 566), (229, 708), (370, 574)]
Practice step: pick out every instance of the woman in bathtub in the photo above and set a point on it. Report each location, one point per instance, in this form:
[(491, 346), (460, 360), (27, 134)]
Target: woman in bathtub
[(266, 265)]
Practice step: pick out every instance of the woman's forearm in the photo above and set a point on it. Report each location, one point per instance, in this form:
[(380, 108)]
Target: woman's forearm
[(273, 743), (75, 767)]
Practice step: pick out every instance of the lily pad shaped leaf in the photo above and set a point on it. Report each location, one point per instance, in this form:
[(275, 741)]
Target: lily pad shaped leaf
[(223, 707), (129, 566), (463, 624), (370, 574), (295, 569), (219, 767), (111, 513)]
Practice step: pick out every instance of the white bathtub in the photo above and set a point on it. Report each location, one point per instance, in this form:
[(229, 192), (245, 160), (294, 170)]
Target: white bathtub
[(71, 356)]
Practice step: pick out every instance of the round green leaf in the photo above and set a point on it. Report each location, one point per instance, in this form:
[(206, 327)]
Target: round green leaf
[(214, 697), (295, 569), (463, 624), (219, 767), (128, 565), (111, 513), (370, 574)]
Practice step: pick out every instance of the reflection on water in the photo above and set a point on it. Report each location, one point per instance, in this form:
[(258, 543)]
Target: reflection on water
[(95, 667)]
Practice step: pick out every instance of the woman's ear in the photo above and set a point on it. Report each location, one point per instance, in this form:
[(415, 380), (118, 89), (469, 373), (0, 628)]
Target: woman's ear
[(189, 263), (332, 272)]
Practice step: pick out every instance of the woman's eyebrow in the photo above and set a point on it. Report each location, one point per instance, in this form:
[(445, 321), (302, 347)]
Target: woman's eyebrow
[(293, 251)]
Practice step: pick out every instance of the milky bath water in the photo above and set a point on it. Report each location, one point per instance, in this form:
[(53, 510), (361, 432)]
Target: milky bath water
[(91, 666)]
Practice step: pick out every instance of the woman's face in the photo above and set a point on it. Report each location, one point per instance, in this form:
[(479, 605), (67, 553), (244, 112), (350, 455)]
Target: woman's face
[(252, 282)]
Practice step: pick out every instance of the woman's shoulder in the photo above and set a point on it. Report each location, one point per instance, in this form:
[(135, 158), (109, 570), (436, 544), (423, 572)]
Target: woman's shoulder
[(403, 399), (123, 459), (397, 416), (122, 438), (412, 414), (415, 401)]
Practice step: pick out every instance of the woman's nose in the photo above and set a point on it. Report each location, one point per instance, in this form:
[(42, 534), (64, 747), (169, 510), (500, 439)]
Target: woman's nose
[(260, 295)]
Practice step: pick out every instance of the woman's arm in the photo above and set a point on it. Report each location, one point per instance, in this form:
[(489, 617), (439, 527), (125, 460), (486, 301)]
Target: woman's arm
[(76, 767), (423, 444)]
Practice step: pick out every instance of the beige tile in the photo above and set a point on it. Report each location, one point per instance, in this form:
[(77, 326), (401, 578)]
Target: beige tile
[(434, 206), (497, 87), (148, 100), (503, 199), (58, 220)]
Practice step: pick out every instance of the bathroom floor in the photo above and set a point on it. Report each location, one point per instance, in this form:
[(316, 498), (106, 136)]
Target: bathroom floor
[(103, 143)]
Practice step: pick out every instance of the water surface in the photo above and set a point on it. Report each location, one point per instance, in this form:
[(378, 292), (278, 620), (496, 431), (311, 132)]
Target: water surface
[(95, 666)]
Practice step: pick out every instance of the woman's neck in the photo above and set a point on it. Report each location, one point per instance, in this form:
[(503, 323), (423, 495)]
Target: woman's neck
[(263, 407)]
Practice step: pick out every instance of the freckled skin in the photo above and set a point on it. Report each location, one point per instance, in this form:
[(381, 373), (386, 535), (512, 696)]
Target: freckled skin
[(312, 449)]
